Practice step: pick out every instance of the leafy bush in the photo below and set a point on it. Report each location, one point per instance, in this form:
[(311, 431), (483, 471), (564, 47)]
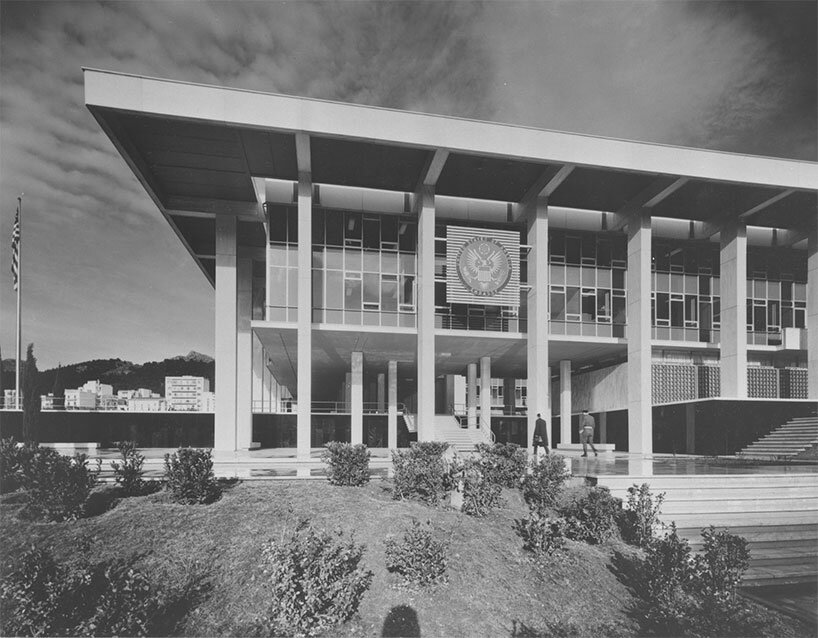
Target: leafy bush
[(541, 534), (422, 473), (347, 464), (641, 516), (418, 557), (189, 476), (480, 494), (43, 597), (722, 563), (129, 472), (694, 595), (315, 581), (503, 464), (57, 487), (14, 458), (543, 483), (592, 516)]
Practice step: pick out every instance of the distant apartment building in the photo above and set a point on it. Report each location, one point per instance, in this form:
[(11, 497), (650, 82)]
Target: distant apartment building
[(153, 403), (186, 393), (47, 401), (79, 399), (9, 399)]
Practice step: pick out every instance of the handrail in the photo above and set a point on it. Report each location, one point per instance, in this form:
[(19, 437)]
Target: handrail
[(486, 428)]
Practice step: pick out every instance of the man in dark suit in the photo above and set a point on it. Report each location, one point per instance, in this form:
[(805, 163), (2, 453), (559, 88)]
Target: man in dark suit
[(540, 435)]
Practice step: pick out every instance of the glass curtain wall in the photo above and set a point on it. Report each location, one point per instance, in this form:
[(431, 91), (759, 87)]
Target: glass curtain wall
[(588, 295), (776, 294)]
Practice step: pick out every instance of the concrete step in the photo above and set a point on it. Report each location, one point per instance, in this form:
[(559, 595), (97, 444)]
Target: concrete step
[(664, 482), (740, 519), (764, 535), (755, 505), (757, 576), (760, 491)]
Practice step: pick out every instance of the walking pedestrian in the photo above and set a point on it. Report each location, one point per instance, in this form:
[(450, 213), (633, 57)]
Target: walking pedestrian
[(586, 432)]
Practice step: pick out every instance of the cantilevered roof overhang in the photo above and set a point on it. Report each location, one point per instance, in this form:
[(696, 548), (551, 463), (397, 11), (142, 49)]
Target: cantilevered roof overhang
[(196, 150)]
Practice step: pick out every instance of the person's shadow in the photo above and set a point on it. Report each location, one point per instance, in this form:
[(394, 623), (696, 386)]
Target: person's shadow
[(401, 621)]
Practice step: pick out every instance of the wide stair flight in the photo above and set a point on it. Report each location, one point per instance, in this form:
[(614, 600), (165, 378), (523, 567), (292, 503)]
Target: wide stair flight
[(795, 436)]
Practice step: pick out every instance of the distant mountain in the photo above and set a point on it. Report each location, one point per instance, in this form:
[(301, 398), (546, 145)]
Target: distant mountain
[(122, 375)]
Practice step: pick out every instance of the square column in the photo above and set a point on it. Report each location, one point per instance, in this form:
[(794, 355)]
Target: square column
[(426, 314), (381, 391), (640, 401), (733, 287), (392, 402), (226, 334), (259, 394), (304, 372), (485, 398), (565, 401), (471, 395), (244, 356), (812, 313), (357, 396), (509, 396), (539, 377)]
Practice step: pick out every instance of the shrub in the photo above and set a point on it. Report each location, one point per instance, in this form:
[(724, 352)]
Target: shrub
[(43, 597), (129, 472), (57, 487), (543, 483), (503, 464), (480, 495), (418, 557), (642, 514), (315, 581), (422, 473), (347, 464), (541, 534), (189, 476), (721, 565), (14, 458), (592, 516)]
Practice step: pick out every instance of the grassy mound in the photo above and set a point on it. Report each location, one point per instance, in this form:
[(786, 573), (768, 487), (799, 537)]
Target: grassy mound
[(494, 588)]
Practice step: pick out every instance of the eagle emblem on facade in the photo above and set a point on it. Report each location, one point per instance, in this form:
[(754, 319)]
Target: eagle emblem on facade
[(484, 266)]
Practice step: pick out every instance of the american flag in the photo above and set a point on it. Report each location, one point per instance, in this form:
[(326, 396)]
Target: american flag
[(15, 248)]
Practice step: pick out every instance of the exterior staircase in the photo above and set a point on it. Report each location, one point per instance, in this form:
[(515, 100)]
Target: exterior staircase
[(776, 513), (788, 440), (448, 428)]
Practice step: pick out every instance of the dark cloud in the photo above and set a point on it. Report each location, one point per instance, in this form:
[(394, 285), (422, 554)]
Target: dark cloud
[(104, 275)]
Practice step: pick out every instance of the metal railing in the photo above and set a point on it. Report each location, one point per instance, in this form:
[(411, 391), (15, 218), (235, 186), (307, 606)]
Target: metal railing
[(321, 407)]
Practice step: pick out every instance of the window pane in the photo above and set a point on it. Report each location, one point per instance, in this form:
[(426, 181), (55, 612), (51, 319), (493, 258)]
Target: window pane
[(353, 259), (759, 319), (572, 303), (407, 290), (572, 275), (588, 276), (278, 286), (317, 226), (557, 274), (372, 232), (691, 308), (662, 305), (278, 255), (352, 294), (440, 293), (372, 288), (292, 287), (389, 230), (557, 305), (389, 262), (335, 289), (572, 250), (407, 264), (278, 223), (677, 316), (389, 295), (618, 278), (335, 228), (372, 261), (353, 227), (588, 307), (318, 288), (603, 253), (773, 317), (292, 225), (407, 236), (603, 303), (619, 314), (334, 257)]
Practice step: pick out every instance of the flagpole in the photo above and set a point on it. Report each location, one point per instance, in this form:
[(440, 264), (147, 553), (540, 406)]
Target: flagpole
[(17, 394)]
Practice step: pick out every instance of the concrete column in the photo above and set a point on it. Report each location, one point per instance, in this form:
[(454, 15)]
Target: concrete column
[(539, 377), (304, 372), (812, 313), (381, 391), (485, 397), (259, 396), (733, 286), (471, 394), (690, 428), (347, 391), (450, 402), (509, 396), (426, 314), (226, 334), (565, 401), (392, 410), (357, 396), (638, 331), (603, 427), (244, 355)]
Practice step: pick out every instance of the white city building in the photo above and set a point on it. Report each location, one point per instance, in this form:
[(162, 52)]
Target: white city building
[(186, 393)]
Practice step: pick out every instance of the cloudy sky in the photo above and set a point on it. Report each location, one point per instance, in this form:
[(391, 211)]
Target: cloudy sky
[(105, 277)]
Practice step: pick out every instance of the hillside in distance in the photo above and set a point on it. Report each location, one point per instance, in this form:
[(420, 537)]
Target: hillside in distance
[(122, 375)]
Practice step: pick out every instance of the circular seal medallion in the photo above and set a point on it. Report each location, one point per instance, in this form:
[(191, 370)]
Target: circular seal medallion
[(484, 266)]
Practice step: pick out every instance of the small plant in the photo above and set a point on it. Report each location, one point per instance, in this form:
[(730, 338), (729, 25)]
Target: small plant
[(721, 565), (189, 476), (418, 557), (641, 515), (42, 597), (315, 581), (347, 464), (541, 534), (592, 516), (543, 483), (480, 494), (503, 463), (422, 473), (57, 487), (14, 458), (128, 473)]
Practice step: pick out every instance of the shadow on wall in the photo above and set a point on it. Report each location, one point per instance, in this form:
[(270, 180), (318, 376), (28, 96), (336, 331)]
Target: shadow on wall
[(401, 621)]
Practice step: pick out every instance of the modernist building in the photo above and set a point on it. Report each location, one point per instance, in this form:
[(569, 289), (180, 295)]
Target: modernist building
[(186, 393), (365, 260)]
